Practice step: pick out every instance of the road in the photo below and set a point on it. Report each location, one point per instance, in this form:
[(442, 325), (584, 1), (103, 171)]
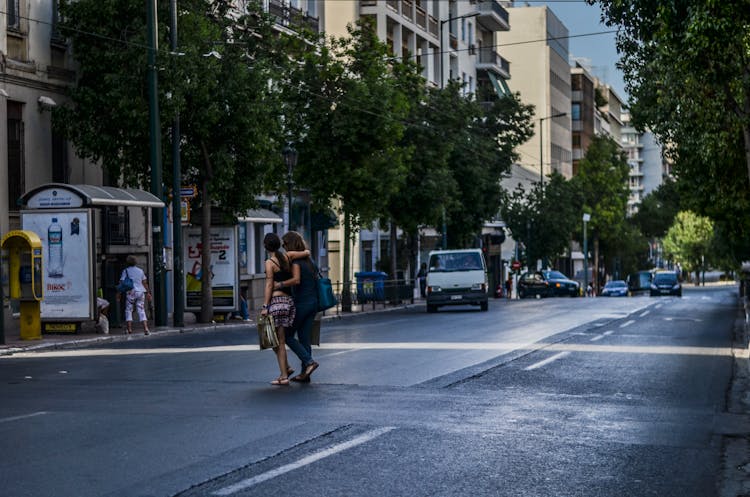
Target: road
[(551, 397)]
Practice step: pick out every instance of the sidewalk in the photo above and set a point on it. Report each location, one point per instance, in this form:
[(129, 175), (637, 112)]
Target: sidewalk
[(87, 335)]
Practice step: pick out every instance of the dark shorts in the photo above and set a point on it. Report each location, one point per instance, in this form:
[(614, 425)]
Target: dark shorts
[(283, 311)]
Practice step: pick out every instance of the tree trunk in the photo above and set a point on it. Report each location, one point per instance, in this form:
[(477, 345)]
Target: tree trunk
[(596, 265), (207, 301), (393, 242), (346, 290), (746, 134)]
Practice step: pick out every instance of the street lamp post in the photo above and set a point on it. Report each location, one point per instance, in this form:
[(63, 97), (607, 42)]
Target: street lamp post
[(541, 144), (586, 219), (290, 158)]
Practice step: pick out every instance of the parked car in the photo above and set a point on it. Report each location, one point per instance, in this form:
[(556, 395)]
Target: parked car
[(547, 283), (640, 282), (457, 277), (665, 283), (615, 288)]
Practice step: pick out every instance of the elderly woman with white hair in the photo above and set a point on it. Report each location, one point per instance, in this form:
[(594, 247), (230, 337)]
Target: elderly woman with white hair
[(136, 296)]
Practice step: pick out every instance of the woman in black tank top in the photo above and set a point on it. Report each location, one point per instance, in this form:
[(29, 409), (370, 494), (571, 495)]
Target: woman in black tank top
[(278, 302)]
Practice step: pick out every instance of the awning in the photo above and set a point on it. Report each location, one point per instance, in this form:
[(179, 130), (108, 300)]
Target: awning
[(501, 87), (60, 196), (260, 216)]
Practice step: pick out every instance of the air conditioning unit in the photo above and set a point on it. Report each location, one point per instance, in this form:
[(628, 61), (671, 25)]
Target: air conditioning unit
[(472, 49)]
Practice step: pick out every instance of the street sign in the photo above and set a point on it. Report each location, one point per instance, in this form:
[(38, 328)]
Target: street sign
[(188, 191), (515, 265)]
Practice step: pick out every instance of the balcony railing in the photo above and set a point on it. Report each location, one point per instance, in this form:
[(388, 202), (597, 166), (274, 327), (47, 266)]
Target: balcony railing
[(491, 60), (493, 16), (393, 4), (291, 17), (368, 3), (406, 9), (421, 17), (433, 27)]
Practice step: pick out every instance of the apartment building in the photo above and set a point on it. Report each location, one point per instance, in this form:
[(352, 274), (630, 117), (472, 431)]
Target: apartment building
[(35, 68), (451, 40), (537, 48), (649, 168), (609, 120), (583, 112)]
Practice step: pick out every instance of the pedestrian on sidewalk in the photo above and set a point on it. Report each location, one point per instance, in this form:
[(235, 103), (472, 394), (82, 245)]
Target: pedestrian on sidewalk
[(509, 287), (137, 296), (277, 299), (422, 279), (305, 297)]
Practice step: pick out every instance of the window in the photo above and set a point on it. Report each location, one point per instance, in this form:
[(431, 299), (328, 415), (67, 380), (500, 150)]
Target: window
[(471, 34), (463, 29), (117, 226), (14, 14), (16, 176), (576, 112), (312, 8), (60, 173)]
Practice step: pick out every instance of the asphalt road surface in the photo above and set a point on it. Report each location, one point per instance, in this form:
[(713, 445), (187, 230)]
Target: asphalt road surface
[(552, 397)]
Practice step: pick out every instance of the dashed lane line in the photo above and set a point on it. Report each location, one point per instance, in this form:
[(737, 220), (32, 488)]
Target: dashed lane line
[(317, 456), (25, 416), (546, 361)]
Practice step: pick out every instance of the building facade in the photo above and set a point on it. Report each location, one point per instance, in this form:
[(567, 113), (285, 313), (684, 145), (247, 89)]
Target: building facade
[(541, 74), (451, 40)]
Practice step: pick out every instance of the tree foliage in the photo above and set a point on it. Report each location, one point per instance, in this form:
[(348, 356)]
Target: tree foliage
[(228, 113), (542, 221), (686, 66), (689, 240)]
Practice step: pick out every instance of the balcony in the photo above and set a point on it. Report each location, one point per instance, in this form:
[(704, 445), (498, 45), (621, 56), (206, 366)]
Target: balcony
[(493, 16), (291, 17), (489, 60)]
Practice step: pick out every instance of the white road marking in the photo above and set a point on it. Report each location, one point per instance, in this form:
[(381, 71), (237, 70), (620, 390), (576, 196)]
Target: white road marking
[(546, 361), (16, 418), (627, 323), (597, 338), (249, 482), (608, 332), (643, 313)]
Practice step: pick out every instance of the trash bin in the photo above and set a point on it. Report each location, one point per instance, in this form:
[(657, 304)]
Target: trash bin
[(370, 286)]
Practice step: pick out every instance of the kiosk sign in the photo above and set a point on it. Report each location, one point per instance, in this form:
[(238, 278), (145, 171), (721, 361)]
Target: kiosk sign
[(224, 268), (67, 268)]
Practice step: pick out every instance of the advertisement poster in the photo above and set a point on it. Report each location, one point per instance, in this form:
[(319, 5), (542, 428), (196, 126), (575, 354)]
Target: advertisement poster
[(224, 269), (67, 270)]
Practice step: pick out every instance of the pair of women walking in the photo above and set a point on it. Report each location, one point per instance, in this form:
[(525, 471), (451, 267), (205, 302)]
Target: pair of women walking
[(290, 267)]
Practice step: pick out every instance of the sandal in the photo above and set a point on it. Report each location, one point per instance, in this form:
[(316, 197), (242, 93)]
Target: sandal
[(280, 381), (301, 378), (310, 368), (289, 371)]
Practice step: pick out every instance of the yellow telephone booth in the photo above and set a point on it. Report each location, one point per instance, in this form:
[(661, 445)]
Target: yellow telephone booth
[(24, 250)]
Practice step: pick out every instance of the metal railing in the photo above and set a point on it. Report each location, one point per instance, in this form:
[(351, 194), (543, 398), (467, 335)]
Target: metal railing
[(371, 295)]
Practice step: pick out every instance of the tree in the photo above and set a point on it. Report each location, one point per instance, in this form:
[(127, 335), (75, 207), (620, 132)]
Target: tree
[(601, 184), (229, 114), (689, 241), (686, 66), (483, 151), (542, 220), (658, 209), (351, 151)]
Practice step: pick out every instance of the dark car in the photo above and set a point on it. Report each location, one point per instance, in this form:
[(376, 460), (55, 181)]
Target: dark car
[(615, 288), (666, 283), (547, 283)]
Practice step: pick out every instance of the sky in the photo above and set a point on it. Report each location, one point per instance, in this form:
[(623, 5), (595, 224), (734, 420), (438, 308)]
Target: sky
[(581, 18)]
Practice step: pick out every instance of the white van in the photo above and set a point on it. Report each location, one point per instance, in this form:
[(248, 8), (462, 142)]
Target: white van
[(456, 277)]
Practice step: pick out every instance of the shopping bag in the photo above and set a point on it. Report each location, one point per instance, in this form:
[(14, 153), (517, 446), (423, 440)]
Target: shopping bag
[(315, 330), (267, 338), (326, 298)]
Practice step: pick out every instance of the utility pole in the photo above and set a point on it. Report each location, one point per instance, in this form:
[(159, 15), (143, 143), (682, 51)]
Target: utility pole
[(178, 271), (160, 304)]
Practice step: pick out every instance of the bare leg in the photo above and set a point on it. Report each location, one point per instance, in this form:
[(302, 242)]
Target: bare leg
[(281, 357)]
